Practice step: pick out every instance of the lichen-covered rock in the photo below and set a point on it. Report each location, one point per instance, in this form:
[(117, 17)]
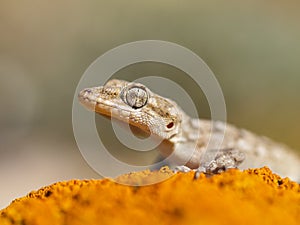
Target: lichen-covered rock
[(254, 196)]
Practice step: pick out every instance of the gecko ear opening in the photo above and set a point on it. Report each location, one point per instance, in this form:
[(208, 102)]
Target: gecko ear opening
[(170, 125)]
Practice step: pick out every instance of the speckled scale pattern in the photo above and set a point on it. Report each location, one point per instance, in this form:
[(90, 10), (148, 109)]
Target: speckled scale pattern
[(188, 136)]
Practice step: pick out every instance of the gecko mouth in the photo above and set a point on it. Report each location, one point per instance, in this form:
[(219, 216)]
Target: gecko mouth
[(91, 99)]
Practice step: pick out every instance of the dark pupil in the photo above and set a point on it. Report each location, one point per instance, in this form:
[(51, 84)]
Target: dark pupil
[(136, 97)]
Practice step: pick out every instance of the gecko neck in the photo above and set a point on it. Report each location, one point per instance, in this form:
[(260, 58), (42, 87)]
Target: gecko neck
[(189, 130), (181, 147)]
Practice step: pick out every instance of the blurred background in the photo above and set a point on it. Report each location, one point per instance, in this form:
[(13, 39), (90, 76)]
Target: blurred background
[(253, 48)]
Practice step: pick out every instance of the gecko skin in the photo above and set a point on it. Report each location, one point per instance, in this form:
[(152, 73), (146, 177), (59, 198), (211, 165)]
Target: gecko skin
[(194, 143)]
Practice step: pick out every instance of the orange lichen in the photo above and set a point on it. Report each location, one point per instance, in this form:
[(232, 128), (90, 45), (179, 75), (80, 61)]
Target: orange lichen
[(254, 196)]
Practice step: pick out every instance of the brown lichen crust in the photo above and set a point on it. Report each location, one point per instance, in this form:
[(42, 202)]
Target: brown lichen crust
[(254, 196)]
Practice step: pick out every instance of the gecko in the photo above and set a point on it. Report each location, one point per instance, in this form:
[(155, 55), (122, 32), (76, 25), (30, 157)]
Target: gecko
[(195, 144)]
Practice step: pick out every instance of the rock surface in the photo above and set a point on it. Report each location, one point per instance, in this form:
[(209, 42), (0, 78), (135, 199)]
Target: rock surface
[(254, 196)]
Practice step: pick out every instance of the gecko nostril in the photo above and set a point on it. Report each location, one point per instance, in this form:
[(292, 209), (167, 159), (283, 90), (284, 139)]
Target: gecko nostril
[(87, 91)]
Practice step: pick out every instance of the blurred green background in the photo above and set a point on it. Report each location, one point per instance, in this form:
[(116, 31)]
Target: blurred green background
[(253, 47)]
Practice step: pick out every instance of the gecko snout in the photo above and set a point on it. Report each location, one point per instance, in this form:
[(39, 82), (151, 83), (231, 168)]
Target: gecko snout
[(87, 94)]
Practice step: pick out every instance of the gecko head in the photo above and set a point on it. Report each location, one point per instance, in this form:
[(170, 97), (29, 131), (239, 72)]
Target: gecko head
[(135, 104)]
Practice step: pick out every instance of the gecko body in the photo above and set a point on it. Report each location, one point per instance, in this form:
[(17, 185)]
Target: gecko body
[(203, 145)]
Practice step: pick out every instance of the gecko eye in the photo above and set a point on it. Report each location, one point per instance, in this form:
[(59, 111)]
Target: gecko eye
[(136, 97)]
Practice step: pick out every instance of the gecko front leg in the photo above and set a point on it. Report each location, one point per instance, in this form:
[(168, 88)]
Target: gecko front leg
[(215, 162), (225, 159)]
